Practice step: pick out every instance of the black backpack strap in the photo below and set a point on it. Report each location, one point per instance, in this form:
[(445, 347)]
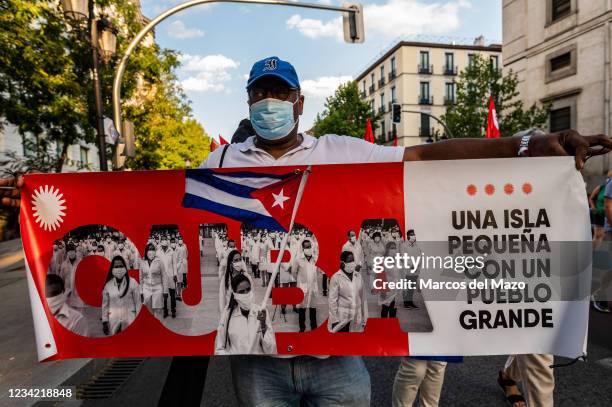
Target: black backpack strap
[(225, 147)]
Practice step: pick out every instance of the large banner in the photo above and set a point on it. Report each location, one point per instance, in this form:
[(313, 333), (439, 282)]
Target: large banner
[(472, 257)]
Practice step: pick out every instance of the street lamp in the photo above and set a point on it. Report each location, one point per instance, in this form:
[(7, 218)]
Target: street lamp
[(75, 10), (79, 11)]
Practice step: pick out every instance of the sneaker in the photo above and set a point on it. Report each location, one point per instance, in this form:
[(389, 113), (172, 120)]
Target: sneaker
[(601, 306)]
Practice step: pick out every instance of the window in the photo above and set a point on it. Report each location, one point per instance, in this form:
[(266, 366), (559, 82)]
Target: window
[(364, 86), (393, 95), (382, 128), (393, 66), (560, 9), (449, 61), (382, 72), (424, 90), (372, 107), (560, 62), (494, 60), (449, 92), (382, 102), (425, 131), (471, 60), (424, 59), (372, 77), (84, 155), (561, 119)]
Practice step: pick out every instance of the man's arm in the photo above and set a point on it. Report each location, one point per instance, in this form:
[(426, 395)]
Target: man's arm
[(568, 142)]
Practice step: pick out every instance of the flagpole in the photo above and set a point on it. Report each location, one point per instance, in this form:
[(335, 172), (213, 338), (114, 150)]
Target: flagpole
[(279, 259)]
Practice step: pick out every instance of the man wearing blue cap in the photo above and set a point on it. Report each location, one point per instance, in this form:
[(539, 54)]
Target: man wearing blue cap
[(275, 105)]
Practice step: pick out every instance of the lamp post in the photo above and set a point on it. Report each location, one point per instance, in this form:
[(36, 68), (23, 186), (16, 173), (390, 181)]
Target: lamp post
[(102, 40)]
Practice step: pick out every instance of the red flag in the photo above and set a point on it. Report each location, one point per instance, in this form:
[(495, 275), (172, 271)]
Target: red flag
[(222, 140), (369, 134), (213, 145), (492, 125), (395, 141), (279, 198)]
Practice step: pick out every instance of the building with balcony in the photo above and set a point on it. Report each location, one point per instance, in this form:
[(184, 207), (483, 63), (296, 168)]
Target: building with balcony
[(560, 50), (419, 75)]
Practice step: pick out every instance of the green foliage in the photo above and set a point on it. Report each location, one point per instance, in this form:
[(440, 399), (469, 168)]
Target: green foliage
[(345, 113), (468, 116), (46, 88)]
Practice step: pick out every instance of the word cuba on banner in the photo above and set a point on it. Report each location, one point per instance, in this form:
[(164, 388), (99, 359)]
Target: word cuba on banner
[(471, 257)]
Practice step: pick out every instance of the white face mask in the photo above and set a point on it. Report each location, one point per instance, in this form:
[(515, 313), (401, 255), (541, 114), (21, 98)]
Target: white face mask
[(239, 266), (244, 300), (349, 267), (119, 272), (308, 252), (352, 239), (412, 239), (55, 303), (150, 255)]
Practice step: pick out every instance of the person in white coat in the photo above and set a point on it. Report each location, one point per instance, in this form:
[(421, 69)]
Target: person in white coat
[(234, 265), (254, 256), (56, 296), (244, 327), (120, 298), (181, 261), (168, 257), (152, 282), (353, 246), (306, 273), (68, 274), (348, 309), (412, 249), (387, 298)]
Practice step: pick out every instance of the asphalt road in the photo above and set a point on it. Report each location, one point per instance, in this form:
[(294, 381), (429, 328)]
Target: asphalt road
[(471, 383)]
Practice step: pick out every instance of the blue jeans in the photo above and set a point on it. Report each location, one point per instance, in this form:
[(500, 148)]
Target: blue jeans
[(263, 381)]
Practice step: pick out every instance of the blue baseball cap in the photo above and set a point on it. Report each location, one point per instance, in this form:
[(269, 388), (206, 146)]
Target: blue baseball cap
[(274, 66)]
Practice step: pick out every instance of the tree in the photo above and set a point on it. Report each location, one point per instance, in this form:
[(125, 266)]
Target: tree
[(468, 116), (345, 113), (45, 84)]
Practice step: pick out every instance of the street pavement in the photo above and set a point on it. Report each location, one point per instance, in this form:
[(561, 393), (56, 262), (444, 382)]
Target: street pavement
[(471, 383)]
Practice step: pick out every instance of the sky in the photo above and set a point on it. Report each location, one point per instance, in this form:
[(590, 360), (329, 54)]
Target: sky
[(219, 43)]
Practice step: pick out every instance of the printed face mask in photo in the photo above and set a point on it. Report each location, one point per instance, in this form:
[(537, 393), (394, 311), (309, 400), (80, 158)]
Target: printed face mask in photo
[(349, 267), (244, 300), (151, 254), (308, 252), (239, 266), (55, 303), (272, 119), (119, 272)]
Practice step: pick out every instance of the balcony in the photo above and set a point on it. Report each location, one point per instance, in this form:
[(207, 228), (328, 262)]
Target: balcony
[(362, 94), (425, 69), (371, 89), (381, 82), (449, 100), (426, 100), (450, 70), (392, 75)]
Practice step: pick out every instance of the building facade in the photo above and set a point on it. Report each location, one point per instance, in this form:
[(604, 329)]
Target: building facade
[(420, 76), (560, 50)]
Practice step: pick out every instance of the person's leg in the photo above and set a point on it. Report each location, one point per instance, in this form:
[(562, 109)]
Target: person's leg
[(184, 280), (325, 280), (392, 309), (313, 318), (302, 319), (184, 384), (165, 305), (172, 301), (537, 377), (431, 387), (337, 381), (263, 381), (408, 378), (384, 311)]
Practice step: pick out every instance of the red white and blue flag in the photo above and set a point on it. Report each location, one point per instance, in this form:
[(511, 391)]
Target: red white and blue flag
[(259, 199)]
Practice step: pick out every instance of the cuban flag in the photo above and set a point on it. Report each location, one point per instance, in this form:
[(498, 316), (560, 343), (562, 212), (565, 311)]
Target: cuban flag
[(259, 199)]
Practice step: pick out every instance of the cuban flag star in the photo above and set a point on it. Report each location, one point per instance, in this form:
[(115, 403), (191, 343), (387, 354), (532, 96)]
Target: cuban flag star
[(259, 199)]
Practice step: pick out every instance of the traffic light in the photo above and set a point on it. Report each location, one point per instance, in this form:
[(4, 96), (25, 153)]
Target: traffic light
[(397, 113)]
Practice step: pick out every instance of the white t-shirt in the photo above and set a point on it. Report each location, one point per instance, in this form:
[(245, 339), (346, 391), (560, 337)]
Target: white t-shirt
[(328, 149)]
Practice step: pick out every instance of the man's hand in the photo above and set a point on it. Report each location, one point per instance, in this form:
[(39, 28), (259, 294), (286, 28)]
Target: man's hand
[(10, 191), (570, 142)]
